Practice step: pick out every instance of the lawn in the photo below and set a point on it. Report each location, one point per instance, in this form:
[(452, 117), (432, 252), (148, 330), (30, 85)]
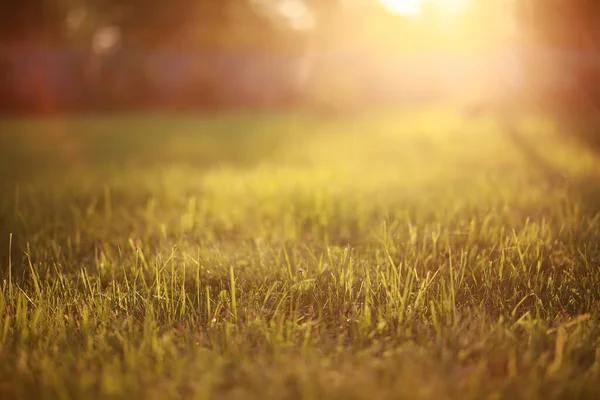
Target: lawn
[(415, 255)]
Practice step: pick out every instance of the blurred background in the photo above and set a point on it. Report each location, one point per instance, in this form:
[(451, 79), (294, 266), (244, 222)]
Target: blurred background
[(334, 55)]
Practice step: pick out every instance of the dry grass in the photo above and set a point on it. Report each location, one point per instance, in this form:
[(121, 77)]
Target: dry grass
[(405, 256)]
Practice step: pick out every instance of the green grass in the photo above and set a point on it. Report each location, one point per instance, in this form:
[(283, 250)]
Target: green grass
[(279, 256)]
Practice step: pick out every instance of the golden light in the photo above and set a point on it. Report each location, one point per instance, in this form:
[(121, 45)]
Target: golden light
[(403, 7), (411, 8)]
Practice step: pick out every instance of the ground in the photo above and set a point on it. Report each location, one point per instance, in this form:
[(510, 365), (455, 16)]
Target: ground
[(416, 255)]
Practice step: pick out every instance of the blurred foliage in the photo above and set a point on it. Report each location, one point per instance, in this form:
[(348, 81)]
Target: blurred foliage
[(364, 28), (206, 23), (146, 23), (568, 29), (565, 24)]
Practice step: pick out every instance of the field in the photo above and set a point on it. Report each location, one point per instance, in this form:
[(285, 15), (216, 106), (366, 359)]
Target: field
[(415, 255)]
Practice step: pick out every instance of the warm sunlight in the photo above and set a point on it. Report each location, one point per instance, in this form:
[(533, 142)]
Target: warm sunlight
[(414, 7), (403, 7)]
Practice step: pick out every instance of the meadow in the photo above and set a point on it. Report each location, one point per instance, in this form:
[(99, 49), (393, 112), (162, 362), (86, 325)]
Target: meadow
[(407, 255)]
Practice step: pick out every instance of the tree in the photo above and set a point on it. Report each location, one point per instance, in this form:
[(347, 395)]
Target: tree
[(569, 30), (41, 20), (143, 23)]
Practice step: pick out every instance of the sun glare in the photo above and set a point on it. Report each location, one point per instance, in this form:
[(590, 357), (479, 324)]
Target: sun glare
[(403, 7), (412, 8)]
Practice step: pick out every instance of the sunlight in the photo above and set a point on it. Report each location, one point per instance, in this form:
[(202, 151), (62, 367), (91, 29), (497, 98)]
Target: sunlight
[(294, 14), (415, 7), (403, 7)]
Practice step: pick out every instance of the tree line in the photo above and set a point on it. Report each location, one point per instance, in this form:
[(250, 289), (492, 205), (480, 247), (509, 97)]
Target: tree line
[(214, 25)]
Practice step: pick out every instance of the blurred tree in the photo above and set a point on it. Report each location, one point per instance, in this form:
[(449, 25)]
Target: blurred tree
[(566, 24), (40, 20), (145, 23), (568, 31)]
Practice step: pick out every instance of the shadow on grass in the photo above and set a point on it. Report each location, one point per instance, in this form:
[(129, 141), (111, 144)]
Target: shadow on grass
[(583, 189), (44, 149), (31, 145)]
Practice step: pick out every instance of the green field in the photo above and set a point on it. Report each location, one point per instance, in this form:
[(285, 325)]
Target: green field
[(394, 256)]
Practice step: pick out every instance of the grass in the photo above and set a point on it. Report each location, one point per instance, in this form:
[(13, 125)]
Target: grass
[(281, 256)]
